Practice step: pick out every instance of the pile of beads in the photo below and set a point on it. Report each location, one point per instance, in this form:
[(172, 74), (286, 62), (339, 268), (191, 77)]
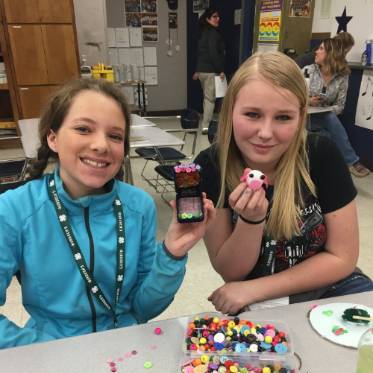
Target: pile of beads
[(222, 364), (187, 167), (209, 334)]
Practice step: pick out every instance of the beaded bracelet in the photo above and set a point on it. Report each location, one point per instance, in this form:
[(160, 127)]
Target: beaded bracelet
[(251, 221)]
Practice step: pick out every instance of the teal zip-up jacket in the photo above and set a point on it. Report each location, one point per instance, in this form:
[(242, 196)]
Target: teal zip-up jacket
[(53, 291)]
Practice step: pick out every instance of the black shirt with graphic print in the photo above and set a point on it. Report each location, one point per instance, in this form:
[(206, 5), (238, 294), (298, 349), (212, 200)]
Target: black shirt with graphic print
[(334, 188)]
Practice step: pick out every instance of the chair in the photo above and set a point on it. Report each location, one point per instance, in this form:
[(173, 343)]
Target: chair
[(12, 173), (211, 131), (167, 157)]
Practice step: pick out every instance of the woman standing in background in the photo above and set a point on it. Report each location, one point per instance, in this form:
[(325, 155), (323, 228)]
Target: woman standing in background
[(210, 60)]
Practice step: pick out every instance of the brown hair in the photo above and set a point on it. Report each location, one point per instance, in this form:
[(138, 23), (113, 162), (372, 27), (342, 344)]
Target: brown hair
[(347, 41), (335, 60), (292, 170), (56, 112)]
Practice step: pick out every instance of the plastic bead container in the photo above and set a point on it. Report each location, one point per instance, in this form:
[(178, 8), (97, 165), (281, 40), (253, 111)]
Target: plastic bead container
[(214, 333), (237, 364)]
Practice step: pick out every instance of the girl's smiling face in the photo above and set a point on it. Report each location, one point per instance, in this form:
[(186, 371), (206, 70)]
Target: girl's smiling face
[(265, 121), (89, 143)]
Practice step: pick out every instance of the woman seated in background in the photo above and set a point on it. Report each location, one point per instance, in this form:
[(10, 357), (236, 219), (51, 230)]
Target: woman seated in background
[(298, 237), (308, 58), (328, 87)]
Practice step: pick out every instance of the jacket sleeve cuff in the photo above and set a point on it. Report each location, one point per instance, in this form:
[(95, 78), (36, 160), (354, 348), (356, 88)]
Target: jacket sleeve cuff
[(174, 257)]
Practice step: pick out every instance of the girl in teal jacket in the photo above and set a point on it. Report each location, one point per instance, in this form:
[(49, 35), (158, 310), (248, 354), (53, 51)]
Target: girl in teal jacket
[(83, 241)]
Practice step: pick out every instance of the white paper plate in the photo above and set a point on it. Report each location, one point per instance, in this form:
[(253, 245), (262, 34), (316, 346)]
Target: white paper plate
[(326, 317)]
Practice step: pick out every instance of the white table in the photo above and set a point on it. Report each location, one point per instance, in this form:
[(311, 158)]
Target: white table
[(137, 121), (90, 353), (149, 136)]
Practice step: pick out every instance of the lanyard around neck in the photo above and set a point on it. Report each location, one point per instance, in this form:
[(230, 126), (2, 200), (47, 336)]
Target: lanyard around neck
[(77, 253)]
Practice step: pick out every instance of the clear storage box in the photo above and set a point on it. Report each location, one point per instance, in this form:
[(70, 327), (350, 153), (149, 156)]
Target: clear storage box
[(214, 333)]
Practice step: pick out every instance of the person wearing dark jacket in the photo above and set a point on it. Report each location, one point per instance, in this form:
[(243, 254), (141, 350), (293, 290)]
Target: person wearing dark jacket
[(210, 60)]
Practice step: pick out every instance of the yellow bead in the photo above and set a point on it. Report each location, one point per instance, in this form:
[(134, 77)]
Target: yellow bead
[(215, 320), (266, 370), (233, 369), (231, 324), (202, 340), (268, 339), (204, 359)]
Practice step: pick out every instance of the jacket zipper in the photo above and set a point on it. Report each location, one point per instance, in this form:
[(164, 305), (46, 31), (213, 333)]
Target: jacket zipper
[(91, 267)]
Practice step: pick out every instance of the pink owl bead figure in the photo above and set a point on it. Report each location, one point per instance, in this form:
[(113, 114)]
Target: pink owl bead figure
[(254, 179)]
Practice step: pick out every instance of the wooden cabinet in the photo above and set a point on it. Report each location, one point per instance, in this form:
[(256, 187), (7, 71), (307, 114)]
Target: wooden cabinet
[(52, 11), (38, 11), (22, 11), (33, 99), (41, 54), (26, 44), (61, 60)]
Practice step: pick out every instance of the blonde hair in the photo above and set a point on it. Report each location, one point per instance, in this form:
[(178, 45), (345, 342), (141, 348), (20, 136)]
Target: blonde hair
[(292, 173)]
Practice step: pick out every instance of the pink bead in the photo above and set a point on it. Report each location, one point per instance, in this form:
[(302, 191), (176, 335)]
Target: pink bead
[(158, 331)]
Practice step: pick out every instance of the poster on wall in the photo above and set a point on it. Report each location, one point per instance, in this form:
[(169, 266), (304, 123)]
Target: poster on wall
[(364, 110), (149, 19), (269, 21), (149, 6), (200, 5), (133, 19), (150, 34), (300, 8), (131, 6)]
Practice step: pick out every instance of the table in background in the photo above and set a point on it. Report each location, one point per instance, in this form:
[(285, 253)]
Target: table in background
[(90, 353), (149, 136)]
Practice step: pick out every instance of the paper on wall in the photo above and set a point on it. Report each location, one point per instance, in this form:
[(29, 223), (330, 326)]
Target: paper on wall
[(220, 86), (124, 56), (364, 109), (151, 75), (122, 37), (136, 56), (135, 36), (113, 56), (150, 56), (110, 34)]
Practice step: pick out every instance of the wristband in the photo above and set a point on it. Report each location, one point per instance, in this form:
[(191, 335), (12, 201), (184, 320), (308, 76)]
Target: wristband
[(251, 221), (172, 256)]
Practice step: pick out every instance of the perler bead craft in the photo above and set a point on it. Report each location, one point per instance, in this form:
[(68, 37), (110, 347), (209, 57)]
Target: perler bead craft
[(210, 334), (254, 179), (187, 175)]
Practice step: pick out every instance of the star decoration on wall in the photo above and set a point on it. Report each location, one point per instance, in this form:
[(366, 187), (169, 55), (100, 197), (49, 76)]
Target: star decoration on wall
[(342, 21)]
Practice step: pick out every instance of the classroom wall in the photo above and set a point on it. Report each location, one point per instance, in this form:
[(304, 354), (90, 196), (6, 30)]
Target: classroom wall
[(360, 26), (92, 18), (90, 22)]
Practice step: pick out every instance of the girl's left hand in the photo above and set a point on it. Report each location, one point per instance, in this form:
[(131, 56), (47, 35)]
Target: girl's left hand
[(232, 297), (180, 238)]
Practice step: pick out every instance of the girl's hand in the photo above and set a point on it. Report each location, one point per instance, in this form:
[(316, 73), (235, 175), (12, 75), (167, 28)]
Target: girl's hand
[(315, 101), (251, 204), (232, 297), (180, 238), (195, 76)]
